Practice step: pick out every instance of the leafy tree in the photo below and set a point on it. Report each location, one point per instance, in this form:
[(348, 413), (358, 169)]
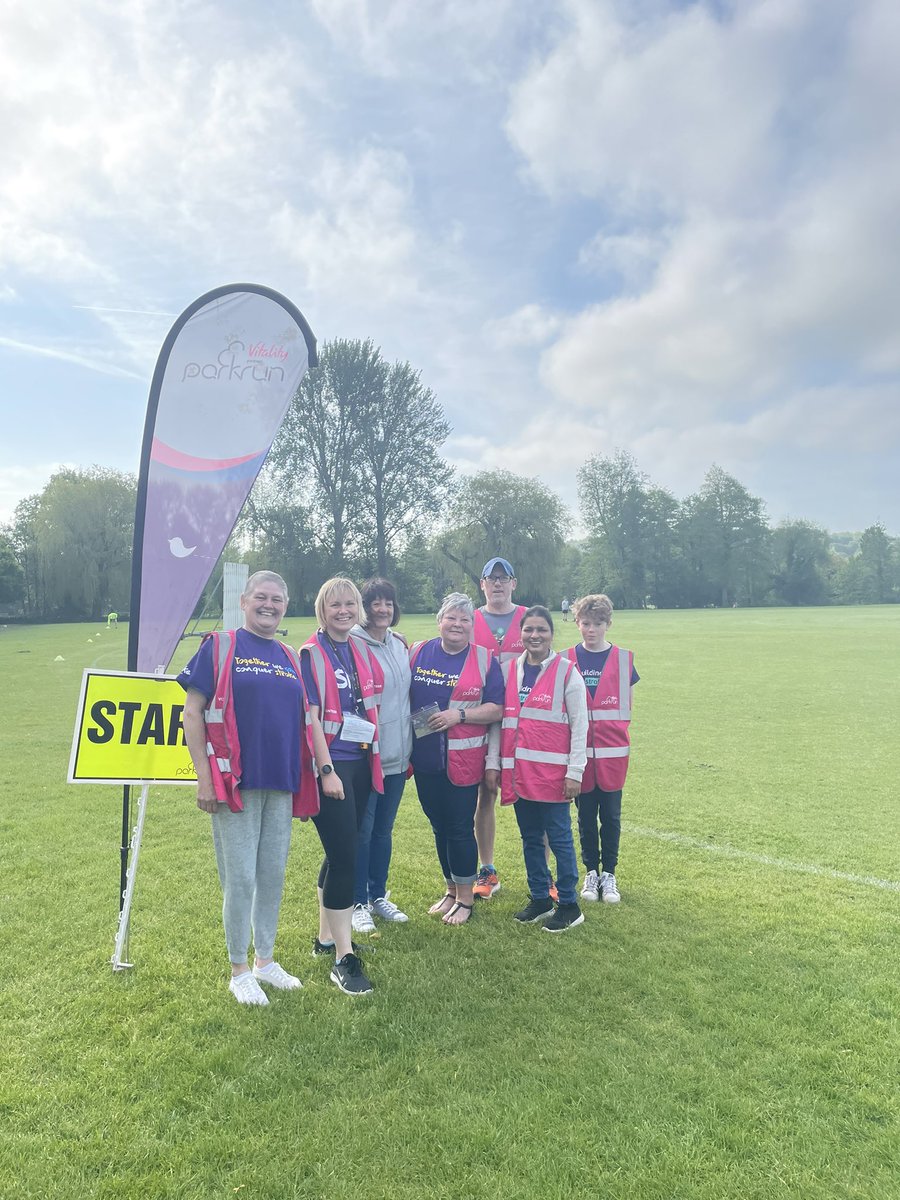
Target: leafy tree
[(726, 541), (499, 513), (12, 577), (359, 452), (75, 538), (611, 491), (878, 566), (800, 563)]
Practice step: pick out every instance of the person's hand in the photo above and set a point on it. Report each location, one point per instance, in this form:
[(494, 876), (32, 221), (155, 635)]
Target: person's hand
[(492, 779), (206, 798), (332, 786), (440, 722), (571, 788)]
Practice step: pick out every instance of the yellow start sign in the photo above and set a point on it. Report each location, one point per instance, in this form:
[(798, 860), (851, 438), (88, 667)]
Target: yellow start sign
[(128, 730)]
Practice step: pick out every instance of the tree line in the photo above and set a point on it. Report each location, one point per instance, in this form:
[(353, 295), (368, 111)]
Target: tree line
[(355, 483)]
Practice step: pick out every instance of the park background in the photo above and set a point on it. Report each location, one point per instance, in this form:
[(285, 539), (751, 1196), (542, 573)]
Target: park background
[(728, 1030)]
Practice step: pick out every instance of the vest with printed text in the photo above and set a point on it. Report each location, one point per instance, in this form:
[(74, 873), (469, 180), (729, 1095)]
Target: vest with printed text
[(466, 744), (511, 646), (535, 738), (609, 712)]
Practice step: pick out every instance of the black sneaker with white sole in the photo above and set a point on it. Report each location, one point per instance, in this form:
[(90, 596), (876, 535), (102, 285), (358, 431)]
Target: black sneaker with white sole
[(534, 910), (564, 918), (348, 974)]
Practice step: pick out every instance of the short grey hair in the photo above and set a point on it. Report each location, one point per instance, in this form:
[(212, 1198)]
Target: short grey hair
[(456, 600), (264, 577)]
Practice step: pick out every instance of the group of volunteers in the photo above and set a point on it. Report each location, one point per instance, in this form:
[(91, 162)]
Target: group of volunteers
[(332, 731)]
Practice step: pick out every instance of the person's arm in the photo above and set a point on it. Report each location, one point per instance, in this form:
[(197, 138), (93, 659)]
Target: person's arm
[(330, 784), (194, 723), (480, 714), (576, 707)]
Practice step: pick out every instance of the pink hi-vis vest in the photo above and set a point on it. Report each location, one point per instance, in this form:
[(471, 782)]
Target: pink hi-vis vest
[(535, 738), (466, 744), (223, 745), (609, 711), (511, 646), (371, 682)]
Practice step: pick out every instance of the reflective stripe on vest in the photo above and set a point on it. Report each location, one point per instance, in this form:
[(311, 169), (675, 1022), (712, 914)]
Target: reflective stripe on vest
[(535, 741)]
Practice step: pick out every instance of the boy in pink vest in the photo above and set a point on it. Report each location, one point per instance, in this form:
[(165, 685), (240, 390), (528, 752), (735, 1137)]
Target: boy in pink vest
[(609, 675)]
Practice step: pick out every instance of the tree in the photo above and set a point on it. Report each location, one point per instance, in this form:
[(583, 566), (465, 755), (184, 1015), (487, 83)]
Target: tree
[(74, 543), (499, 513), (726, 541), (800, 562), (878, 562), (611, 491), (359, 451), (12, 577)]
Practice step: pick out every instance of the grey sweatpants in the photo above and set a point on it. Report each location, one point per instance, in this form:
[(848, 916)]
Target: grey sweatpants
[(251, 854)]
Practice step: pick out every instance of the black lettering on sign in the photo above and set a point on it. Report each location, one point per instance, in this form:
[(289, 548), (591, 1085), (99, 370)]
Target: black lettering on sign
[(152, 729), (101, 710), (128, 709), (175, 727)]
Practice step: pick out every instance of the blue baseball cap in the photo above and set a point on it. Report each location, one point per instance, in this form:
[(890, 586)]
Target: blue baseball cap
[(498, 562)]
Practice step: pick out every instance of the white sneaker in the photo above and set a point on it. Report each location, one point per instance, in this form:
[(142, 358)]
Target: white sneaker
[(387, 910), (246, 990), (608, 888), (361, 919), (591, 889), (277, 977)]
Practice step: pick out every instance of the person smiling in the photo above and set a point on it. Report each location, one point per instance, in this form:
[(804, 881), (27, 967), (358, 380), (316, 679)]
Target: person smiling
[(497, 627), (343, 683), (609, 675), (538, 758), (455, 692), (373, 856), (243, 724)]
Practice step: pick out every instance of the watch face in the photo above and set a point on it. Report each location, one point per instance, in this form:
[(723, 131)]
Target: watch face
[(327, 769)]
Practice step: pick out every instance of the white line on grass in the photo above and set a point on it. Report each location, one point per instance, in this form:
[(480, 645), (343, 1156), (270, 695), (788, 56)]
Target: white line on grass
[(765, 860)]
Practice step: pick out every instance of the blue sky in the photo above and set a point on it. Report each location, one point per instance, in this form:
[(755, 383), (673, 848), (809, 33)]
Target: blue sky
[(671, 228)]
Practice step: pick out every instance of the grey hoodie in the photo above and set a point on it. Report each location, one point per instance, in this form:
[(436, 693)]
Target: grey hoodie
[(394, 726)]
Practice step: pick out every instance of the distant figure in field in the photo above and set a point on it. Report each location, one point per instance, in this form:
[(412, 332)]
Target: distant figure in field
[(609, 676), (243, 724), (565, 608), (112, 620)]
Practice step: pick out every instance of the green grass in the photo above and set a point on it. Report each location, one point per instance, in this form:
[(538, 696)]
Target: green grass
[(730, 1030)]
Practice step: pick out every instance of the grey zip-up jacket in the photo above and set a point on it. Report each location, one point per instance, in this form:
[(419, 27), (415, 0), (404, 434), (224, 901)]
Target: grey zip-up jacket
[(395, 734)]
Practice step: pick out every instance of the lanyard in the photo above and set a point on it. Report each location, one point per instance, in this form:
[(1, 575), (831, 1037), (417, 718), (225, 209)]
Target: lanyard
[(357, 688)]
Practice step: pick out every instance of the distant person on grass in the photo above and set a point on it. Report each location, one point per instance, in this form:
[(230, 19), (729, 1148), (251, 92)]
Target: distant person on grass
[(609, 675), (243, 723), (456, 691), (381, 612), (343, 682), (539, 757), (497, 627)]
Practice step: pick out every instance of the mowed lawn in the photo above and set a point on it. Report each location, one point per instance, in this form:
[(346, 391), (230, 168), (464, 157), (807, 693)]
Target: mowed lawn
[(729, 1030)]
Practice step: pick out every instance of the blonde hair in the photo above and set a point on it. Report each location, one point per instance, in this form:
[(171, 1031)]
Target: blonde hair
[(598, 606), (329, 589)]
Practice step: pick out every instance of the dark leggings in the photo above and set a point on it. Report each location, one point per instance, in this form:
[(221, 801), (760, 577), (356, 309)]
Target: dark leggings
[(337, 824), (602, 851)]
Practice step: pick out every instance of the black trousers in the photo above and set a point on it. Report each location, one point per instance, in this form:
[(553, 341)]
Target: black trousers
[(607, 806), (337, 823)]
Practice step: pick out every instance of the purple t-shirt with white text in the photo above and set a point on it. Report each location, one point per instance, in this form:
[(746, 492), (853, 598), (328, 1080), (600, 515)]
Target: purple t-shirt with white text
[(591, 664), (340, 656), (434, 677), (268, 708)]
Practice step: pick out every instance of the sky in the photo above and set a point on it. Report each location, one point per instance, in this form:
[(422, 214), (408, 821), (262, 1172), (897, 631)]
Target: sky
[(659, 226)]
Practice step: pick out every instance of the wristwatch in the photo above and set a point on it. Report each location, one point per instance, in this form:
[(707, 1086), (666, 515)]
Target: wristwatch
[(326, 769), (462, 716)]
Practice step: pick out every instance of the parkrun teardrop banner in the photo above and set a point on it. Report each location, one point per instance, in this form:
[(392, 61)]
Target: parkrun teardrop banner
[(224, 380)]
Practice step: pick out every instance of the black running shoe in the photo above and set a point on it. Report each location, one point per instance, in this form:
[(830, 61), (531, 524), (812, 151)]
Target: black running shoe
[(564, 918), (348, 974), (535, 910)]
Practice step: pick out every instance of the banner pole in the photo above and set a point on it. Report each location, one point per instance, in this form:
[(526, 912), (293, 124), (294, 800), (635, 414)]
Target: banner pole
[(122, 933), (123, 866)]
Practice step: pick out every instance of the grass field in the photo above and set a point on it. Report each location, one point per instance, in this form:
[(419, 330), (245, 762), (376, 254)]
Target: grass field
[(729, 1030)]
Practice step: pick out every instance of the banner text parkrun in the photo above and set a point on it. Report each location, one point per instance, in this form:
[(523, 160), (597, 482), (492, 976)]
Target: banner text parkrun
[(229, 361)]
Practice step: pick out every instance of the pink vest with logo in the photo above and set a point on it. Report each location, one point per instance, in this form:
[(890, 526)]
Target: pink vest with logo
[(535, 737), (466, 744), (609, 712), (511, 646), (223, 744), (371, 682)]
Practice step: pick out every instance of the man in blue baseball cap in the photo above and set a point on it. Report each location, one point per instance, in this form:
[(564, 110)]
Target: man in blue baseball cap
[(498, 627)]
